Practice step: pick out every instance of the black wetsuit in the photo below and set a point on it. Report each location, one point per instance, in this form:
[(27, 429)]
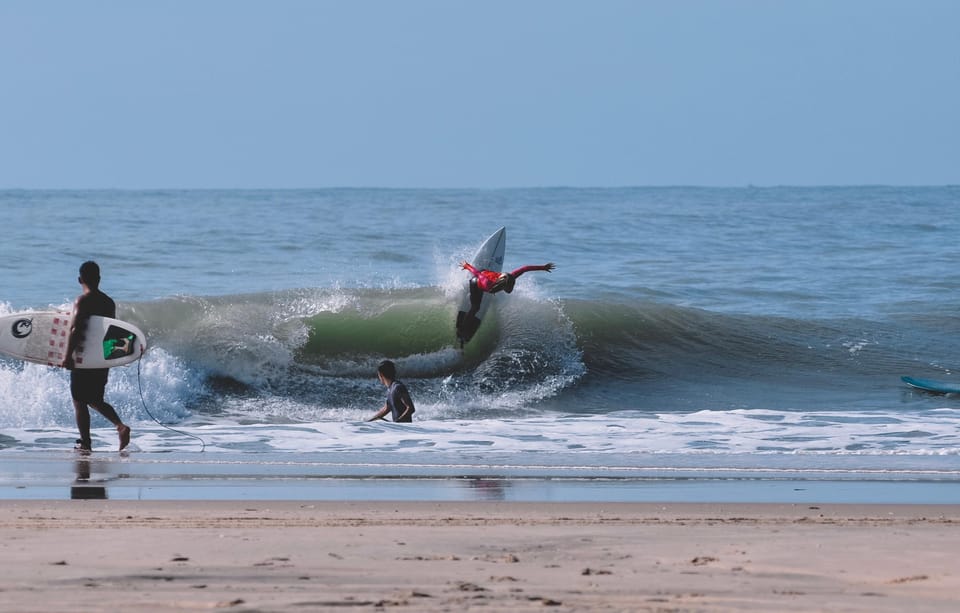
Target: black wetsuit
[(88, 384)]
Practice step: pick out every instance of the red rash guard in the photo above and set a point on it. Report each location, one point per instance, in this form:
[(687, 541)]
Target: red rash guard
[(487, 278)]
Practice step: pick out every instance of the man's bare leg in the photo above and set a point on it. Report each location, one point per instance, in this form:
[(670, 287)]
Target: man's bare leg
[(83, 425), (122, 429)]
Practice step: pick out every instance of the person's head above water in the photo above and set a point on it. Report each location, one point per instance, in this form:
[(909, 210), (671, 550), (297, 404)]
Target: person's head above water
[(90, 274), (387, 370), (504, 282)]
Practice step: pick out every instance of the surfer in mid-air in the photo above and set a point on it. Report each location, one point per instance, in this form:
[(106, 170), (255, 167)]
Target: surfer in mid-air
[(491, 282)]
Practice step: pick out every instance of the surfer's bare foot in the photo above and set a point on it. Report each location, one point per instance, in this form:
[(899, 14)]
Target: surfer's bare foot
[(83, 448), (124, 432)]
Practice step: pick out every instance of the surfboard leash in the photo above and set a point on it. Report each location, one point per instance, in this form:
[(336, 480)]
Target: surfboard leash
[(203, 444)]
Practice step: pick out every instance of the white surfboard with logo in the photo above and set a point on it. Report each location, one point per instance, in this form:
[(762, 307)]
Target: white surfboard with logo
[(41, 337)]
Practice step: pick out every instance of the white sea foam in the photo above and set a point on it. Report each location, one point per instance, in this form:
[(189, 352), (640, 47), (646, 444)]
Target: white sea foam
[(933, 433)]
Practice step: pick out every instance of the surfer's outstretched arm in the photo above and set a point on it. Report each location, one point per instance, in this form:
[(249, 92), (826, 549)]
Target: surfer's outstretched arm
[(546, 267), (467, 266)]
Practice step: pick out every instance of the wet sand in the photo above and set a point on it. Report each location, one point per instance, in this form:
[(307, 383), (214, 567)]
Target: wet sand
[(90, 555)]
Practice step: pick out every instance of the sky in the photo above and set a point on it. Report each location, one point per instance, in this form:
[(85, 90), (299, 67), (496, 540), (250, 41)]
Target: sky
[(135, 94)]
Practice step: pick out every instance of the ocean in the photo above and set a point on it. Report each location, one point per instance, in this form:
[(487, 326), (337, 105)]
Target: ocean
[(696, 331)]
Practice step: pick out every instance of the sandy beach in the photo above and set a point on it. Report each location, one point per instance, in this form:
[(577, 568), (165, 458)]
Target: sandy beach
[(491, 556)]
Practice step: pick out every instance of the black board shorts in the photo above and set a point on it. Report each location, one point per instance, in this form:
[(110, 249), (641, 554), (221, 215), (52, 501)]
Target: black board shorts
[(88, 385)]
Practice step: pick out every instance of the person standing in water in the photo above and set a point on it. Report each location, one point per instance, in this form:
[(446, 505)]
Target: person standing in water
[(87, 385), (398, 401)]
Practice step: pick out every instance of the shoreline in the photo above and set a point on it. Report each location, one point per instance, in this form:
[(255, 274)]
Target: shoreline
[(329, 477), (492, 556)]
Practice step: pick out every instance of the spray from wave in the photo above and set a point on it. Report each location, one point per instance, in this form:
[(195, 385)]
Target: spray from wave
[(308, 355)]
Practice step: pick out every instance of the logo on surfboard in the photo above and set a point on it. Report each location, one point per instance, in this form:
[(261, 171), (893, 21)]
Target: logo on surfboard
[(22, 328)]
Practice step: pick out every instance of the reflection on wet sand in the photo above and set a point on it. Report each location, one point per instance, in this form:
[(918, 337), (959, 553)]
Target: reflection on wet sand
[(488, 489), (83, 489)]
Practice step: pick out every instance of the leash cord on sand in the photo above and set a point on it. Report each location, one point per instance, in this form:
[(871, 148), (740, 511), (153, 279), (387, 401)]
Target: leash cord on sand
[(203, 445)]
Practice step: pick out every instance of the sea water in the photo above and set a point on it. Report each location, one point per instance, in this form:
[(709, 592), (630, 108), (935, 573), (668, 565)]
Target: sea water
[(741, 329)]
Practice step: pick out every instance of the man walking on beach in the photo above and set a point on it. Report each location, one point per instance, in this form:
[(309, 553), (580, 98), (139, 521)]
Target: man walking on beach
[(87, 385)]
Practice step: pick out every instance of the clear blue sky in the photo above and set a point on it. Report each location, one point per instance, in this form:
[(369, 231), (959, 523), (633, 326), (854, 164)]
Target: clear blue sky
[(495, 93)]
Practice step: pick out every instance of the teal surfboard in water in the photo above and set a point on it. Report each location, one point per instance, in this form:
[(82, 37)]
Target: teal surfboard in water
[(929, 385)]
